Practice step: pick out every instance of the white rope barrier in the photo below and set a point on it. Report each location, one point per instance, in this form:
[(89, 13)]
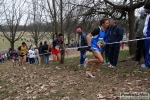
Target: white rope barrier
[(130, 40), (107, 43)]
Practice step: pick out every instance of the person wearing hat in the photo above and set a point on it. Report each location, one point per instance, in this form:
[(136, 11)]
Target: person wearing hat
[(138, 28), (81, 43), (146, 32)]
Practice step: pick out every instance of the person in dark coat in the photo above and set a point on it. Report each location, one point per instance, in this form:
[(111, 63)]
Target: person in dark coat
[(40, 53), (138, 28), (81, 42), (115, 35), (45, 52)]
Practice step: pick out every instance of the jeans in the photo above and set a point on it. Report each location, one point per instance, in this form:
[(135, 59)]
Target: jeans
[(31, 60), (82, 56), (46, 59)]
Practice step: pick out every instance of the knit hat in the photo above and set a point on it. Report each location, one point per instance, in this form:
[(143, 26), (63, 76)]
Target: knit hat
[(78, 30), (147, 6)]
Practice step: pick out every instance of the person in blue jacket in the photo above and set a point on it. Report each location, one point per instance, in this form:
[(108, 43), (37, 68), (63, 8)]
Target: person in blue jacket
[(146, 32), (115, 35)]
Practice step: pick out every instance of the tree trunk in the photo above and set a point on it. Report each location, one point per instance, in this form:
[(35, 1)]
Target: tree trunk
[(36, 38), (55, 19), (61, 22), (36, 43), (68, 37), (12, 44), (131, 18)]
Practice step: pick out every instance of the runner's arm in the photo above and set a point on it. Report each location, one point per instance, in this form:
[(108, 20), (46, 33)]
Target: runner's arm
[(64, 47), (88, 38)]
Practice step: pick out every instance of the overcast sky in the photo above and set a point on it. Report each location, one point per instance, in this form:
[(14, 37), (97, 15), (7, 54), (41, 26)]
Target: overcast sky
[(30, 8)]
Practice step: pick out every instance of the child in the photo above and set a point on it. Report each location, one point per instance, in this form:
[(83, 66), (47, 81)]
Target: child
[(31, 56), (14, 57)]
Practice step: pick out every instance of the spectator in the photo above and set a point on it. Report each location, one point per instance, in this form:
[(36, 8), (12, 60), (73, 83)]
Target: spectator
[(138, 27), (81, 42), (6, 56), (3, 57), (36, 56), (146, 32), (40, 53), (115, 35), (9, 52), (45, 52), (31, 56), (105, 48)]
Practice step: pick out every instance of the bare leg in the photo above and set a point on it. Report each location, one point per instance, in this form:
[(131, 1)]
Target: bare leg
[(24, 60), (54, 58), (58, 58), (98, 59), (21, 61)]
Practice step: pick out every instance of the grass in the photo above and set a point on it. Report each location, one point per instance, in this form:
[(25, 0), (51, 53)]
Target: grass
[(5, 44)]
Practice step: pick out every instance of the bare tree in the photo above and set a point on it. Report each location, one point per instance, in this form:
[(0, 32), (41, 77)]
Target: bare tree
[(37, 23), (123, 9), (12, 13), (53, 14), (128, 8)]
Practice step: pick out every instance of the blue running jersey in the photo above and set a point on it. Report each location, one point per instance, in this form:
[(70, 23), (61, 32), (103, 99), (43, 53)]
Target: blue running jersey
[(96, 40)]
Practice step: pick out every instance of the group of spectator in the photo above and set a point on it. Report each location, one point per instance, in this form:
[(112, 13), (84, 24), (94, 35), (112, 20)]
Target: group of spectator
[(38, 55), (142, 30), (3, 57)]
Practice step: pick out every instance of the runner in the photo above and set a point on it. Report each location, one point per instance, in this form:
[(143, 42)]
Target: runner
[(55, 45), (23, 51), (94, 40), (14, 56)]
